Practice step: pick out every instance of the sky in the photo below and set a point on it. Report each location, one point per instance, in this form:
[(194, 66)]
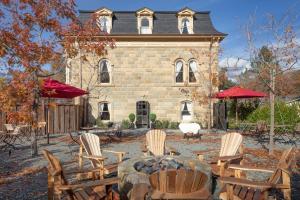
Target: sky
[(228, 16)]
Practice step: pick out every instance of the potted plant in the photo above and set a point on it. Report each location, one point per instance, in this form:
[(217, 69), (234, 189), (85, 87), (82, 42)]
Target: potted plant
[(131, 119), (152, 119)]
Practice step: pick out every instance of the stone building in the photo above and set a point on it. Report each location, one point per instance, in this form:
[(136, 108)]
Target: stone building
[(161, 59)]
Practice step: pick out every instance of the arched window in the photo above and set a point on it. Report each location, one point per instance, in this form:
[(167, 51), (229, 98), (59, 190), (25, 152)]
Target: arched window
[(145, 26), (103, 22), (185, 24), (104, 110), (104, 71), (192, 71), (179, 71), (186, 111)]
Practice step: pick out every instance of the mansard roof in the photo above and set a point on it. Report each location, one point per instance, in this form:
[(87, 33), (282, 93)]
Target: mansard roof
[(164, 22)]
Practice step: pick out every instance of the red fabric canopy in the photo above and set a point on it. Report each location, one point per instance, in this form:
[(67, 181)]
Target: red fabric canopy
[(237, 92), (55, 89)]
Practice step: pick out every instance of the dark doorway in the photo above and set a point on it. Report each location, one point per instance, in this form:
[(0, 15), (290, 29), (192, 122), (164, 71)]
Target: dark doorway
[(220, 116), (142, 114)]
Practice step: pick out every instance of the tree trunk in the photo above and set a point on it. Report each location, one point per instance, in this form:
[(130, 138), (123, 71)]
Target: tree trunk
[(272, 110), (35, 107)]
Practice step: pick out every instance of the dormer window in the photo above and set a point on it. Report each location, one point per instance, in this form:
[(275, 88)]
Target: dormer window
[(185, 21), (145, 26), (144, 21), (103, 23), (105, 20), (185, 26)]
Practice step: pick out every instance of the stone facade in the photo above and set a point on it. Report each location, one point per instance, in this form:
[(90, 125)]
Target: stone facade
[(145, 71)]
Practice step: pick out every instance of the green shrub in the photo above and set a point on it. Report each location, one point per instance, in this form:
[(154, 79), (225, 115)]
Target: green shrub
[(245, 108), (152, 117), (125, 124), (165, 124), (174, 125), (100, 123), (158, 124), (131, 117), (284, 114)]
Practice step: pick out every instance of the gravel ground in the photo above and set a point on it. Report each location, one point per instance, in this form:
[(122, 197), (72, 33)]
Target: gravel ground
[(28, 180)]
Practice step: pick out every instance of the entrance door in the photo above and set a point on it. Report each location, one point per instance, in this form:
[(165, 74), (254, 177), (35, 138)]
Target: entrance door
[(142, 114)]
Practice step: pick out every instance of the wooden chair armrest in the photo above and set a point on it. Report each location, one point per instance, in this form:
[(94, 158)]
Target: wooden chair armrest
[(81, 171), (246, 183), (102, 182), (119, 154), (116, 152), (99, 158), (230, 158), (203, 152), (249, 168)]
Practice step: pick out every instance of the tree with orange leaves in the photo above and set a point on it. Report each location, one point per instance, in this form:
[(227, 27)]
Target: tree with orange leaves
[(36, 35)]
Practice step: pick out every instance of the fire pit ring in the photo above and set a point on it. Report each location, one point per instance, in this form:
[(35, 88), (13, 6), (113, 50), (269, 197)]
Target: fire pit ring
[(132, 172)]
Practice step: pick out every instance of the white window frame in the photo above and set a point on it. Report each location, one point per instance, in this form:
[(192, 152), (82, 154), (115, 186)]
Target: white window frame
[(108, 23), (101, 111), (187, 118), (109, 70), (145, 29), (175, 71), (195, 72)]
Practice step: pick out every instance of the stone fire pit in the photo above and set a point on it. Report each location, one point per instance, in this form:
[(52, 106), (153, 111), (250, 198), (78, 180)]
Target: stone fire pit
[(138, 170)]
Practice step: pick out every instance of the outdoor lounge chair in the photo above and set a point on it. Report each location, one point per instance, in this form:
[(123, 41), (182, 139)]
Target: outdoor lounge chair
[(59, 186), (156, 144), (91, 143), (173, 184), (230, 144), (239, 188)]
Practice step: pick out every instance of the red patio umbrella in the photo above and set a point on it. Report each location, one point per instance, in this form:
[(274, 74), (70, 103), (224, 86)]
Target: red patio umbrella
[(55, 89), (237, 92)]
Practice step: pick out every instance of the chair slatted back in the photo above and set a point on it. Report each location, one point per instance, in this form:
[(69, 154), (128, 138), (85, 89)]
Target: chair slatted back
[(178, 181), (230, 144), (54, 166), (155, 141), (91, 144), (283, 166)]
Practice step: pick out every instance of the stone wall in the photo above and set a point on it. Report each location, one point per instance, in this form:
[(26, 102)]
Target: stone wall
[(146, 71)]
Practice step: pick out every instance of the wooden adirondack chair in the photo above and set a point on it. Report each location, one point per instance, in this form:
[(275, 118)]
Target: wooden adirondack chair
[(59, 186), (156, 143), (238, 188), (91, 143), (230, 144), (173, 184)]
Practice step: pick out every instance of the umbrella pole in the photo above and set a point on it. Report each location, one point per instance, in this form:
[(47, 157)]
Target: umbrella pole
[(236, 112), (48, 137)]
